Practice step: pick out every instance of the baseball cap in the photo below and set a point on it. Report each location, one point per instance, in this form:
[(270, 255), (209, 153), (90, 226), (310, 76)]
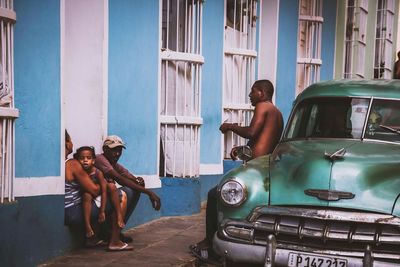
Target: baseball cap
[(113, 141)]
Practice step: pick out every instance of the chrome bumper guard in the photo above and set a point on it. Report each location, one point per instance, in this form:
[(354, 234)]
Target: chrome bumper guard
[(274, 254), (271, 233)]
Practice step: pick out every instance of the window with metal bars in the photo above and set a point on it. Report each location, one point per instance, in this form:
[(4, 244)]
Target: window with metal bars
[(7, 111), (309, 43), (239, 66), (181, 61), (355, 39), (384, 39)]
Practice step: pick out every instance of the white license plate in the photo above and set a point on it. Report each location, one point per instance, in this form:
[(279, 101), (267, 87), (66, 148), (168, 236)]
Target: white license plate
[(310, 260)]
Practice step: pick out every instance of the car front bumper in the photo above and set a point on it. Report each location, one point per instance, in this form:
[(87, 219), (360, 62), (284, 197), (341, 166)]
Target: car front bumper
[(273, 235), (276, 254)]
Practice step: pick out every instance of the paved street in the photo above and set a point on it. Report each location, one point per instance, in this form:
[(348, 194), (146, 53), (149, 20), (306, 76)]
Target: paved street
[(163, 242)]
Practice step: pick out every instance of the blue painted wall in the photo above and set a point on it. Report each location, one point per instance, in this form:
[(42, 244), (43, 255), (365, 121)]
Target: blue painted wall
[(230, 164), (211, 97), (328, 39), (133, 81), (37, 87), (32, 228), (144, 212), (33, 231), (180, 196), (287, 56), (208, 182)]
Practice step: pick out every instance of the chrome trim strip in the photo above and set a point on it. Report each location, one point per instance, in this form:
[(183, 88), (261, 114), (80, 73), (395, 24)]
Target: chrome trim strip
[(366, 118), (381, 141), (324, 234), (350, 229), (325, 214)]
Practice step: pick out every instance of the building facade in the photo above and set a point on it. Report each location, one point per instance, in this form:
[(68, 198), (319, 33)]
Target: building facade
[(163, 75)]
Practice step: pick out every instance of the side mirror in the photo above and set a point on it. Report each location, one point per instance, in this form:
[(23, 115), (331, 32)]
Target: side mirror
[(244, 153)]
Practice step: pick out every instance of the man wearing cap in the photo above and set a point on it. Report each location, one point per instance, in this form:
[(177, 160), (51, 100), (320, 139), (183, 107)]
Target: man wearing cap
[(131, 185)]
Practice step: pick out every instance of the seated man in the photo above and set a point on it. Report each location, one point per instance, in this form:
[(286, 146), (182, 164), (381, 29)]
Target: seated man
[(131, 185)]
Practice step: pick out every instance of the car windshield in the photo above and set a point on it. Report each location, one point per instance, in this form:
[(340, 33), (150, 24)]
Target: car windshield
[(384, 121), (328, 117)]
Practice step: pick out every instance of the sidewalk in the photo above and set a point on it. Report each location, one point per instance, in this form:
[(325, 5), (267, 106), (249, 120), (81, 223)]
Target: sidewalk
[(163, 242)]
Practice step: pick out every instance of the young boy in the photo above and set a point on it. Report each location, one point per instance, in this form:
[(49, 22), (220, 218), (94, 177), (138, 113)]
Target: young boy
[(86, 157)]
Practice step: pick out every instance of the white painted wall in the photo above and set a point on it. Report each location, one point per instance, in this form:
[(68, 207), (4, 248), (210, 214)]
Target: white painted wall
[(398, 34), (84, 71), (268, 40)]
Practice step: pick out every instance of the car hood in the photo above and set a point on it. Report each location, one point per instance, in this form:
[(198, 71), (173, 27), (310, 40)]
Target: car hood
[(366, 177)]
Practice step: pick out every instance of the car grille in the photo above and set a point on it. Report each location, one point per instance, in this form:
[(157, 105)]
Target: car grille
[(325, 229)]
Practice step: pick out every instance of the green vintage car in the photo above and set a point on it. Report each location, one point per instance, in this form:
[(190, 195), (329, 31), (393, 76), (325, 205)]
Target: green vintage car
[(329, 194)]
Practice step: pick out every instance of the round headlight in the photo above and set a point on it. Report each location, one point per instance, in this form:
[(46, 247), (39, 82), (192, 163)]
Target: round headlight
[(233, 193)]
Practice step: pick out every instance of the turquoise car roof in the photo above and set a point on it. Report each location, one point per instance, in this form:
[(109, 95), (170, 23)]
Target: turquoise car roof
[(353, 88)]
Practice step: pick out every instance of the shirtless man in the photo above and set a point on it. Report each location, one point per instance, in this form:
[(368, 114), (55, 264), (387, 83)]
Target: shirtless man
[(396, 69), (266, 125), (263, 133)]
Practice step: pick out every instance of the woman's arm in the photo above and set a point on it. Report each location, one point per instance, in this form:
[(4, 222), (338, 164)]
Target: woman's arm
[(74, 170)]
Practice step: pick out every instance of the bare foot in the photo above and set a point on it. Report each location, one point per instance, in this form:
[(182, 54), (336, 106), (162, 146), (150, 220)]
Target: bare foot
[(89, 232)]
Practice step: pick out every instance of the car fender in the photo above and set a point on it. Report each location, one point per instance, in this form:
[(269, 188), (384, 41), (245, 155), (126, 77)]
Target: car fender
[(396, 207), (254, 175)]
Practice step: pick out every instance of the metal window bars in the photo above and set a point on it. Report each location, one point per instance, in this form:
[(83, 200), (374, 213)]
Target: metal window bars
[(239, 66), (309, 48), (8, 113), (355, 38), (180, 91), (384, 39)]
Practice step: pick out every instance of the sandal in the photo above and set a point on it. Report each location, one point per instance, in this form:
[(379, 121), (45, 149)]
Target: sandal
[(93, 241), (124, 247), (205, 255)]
